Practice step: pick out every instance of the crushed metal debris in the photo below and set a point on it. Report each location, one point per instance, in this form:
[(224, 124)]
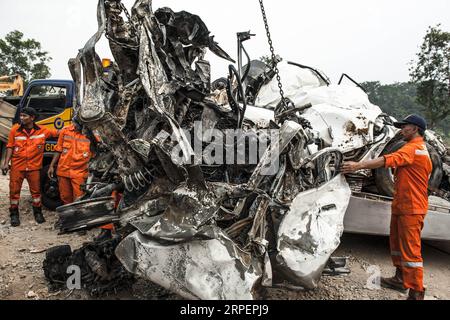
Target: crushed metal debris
[(269, 214)]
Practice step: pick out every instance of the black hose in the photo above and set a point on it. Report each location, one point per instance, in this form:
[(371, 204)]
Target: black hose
[(233, 103), (354, 81), (312, 69), (248, 65)]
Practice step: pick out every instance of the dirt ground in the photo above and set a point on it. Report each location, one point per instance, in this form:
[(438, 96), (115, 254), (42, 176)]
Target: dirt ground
[(22, 253)]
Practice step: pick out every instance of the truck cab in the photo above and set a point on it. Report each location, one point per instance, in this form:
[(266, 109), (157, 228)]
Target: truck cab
[(54, 101)]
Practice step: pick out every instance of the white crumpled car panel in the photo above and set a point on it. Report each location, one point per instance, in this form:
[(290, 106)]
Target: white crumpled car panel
[(344, 128), (342, 115), (311, 232), (295, 80), (208, 270)]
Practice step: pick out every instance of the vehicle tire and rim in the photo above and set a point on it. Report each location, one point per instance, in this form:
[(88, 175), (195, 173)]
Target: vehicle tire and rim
[(49, 191), (57, 252), (219, 84), (384, 178)]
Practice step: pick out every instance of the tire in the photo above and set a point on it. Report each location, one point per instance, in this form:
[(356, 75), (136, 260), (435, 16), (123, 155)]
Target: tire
[(49, 191), (220, 83), (57, 252), (438, 169), (384, 178)]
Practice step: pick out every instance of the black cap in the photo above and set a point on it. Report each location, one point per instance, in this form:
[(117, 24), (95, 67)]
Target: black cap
[(414, 120), (29, 111)]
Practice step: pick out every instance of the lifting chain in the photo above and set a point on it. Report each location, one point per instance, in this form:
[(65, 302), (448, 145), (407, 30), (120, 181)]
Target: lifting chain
[(130, 21), (121, 44), (133, 30), (284, 102)]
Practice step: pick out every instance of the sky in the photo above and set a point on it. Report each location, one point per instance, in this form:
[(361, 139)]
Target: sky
[(371, 40)]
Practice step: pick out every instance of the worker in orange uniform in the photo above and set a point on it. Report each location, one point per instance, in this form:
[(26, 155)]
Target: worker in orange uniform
[(72, 156), (73, 153), (413, 168), (26, 150)]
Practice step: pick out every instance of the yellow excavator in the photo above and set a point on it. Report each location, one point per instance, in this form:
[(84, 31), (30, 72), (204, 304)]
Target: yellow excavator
[(13, 84)]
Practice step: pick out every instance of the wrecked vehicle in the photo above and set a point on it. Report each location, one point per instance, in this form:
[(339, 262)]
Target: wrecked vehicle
[(216, 203), (204, 225), (343, 117)]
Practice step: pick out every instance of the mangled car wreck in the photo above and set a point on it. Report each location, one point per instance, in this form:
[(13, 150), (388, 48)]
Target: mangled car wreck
[(227, 187)]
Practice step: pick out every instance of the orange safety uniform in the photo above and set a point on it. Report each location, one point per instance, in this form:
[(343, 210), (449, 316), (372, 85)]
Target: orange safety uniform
[(413, 168), (26, 161), (72, 171)]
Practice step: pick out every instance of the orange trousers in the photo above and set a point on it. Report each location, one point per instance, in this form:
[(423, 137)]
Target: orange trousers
[(406, 248), (70, 189), (15, 186)]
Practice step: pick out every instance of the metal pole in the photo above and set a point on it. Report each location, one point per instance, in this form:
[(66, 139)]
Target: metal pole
[(239, 48)]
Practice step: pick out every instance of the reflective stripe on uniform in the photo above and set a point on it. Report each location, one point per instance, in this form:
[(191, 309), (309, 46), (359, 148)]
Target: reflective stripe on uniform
[(14, 201), (38, 137), (422, 153), (412, 264), (75, 139), (36, 200), (20, 138)]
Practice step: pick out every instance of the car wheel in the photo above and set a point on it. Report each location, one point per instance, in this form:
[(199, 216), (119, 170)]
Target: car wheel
[(49, 191), (384, 178)]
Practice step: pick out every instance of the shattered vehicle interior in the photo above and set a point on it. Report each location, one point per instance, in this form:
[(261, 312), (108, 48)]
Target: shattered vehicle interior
[(200, 228)]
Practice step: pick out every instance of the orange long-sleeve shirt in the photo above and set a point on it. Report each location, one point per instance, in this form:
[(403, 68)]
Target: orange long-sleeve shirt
[(413, 168), (75, 153), (28, 146)]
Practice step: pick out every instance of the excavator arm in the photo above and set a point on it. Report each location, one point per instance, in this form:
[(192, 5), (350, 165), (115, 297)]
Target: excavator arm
[(12, 83)]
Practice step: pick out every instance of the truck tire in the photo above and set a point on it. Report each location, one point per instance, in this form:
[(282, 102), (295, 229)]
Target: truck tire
[(384, 178), (2, 151), (49, 191)]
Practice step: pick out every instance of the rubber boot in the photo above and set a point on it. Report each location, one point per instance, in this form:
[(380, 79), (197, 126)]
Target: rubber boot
[(103, 236), (14, 214), (416, 295), (38, 216), (395, 283)]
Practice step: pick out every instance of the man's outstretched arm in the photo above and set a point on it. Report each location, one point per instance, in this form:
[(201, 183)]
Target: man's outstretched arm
[(350, 167)]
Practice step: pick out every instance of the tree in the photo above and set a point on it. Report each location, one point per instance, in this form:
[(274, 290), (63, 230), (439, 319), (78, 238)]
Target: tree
[(269, 61), (431, 74), (24, 57), (397, 100)]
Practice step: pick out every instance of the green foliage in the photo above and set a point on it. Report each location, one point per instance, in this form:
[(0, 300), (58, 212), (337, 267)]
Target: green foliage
[(266, 59), (399, 100), (24, 57), (428, 93), (431, 74)]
